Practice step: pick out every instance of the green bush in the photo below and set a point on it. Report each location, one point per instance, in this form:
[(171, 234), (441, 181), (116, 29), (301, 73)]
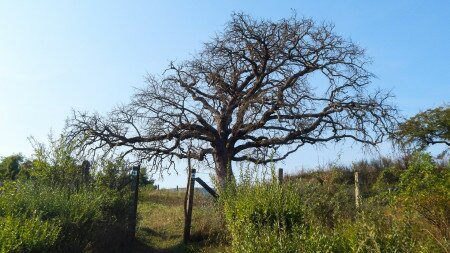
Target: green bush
[(315, 212), (57, 165), (10, 167), (261, 216), (328, 197), (424, 189), (91, 218), (27, 234), (59, 206)]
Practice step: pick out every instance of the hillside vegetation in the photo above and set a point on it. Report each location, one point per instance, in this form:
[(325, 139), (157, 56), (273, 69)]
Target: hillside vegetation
[(48, 204), (404, 208)]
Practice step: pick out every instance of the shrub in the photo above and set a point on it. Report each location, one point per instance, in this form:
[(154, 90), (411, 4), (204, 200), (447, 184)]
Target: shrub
[(10, 167), (315, 212), (263, 210), (328, 199), (59, 201), (425, 190), (27, 234), (90, 218)]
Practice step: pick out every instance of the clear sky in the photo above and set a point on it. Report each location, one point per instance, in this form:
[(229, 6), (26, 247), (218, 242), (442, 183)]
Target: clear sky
[(88, 55)]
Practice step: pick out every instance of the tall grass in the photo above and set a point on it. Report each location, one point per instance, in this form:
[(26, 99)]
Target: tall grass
[(56, 208), (405, 209), (35, 217)]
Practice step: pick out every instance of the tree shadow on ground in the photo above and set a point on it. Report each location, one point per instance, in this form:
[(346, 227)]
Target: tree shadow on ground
[(144, 246), (141, 247), (151, 232)]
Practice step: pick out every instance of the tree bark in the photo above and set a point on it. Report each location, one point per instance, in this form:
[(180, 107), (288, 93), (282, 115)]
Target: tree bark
[(222, 164)]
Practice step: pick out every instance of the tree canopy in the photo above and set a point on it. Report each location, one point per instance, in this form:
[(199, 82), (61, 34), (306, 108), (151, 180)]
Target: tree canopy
[(426, 128), (10, 166), (258, 91)]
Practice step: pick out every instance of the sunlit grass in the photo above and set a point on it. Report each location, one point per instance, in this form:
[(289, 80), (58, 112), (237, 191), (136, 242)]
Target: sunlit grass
[(161, 222)]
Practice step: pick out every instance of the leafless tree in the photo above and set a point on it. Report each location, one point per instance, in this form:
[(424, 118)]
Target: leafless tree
[(247, 96)]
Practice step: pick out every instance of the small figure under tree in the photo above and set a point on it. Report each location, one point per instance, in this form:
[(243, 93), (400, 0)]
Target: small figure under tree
[(248, 96)]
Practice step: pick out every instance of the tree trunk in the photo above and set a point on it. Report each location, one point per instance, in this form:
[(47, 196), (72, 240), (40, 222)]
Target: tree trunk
[(222, 164)]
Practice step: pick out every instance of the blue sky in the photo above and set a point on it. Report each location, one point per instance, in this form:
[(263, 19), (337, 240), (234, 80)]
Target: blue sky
[(88, 55)]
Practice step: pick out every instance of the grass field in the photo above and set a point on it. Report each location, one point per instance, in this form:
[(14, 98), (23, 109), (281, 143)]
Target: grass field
[(161, 221)]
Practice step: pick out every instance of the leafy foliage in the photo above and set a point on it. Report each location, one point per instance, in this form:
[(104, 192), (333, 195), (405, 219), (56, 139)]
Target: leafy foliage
[(10, 166), (19, 233), (60, 207), (145, 180), (87, 218), (405, 209), (425, 188), (263, 210), (426, 128)]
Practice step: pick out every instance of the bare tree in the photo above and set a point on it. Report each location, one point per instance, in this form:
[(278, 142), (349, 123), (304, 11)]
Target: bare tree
[(246, 96)]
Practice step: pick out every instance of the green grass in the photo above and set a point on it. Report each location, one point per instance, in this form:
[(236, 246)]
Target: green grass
[(405, 208), (161, 221)]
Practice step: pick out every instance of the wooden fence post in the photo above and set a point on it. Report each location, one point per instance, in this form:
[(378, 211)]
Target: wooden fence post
[(357, 191), (280, 176), (135, 173), (188, 204)]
